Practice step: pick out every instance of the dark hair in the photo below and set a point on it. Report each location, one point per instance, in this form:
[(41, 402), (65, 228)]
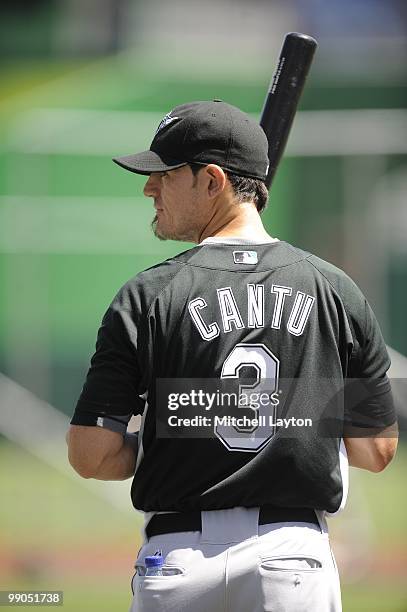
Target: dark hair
[(245, 188)]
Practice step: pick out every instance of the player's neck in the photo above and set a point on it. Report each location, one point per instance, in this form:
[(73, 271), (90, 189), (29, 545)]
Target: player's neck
[(238, 221)]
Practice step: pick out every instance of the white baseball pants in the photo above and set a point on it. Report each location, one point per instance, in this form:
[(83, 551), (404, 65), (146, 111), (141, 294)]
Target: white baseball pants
[(235, 565)]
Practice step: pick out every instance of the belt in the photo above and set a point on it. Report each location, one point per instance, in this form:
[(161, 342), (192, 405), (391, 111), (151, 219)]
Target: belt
[(191, 521)]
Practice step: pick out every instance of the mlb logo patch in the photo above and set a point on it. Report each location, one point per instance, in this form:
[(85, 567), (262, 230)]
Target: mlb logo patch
[(245, 257)]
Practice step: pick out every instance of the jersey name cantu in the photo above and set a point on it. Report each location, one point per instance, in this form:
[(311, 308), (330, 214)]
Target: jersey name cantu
[(224, 311)]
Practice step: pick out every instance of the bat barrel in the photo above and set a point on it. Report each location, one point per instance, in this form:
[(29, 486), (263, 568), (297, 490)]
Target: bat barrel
[(285, 90)]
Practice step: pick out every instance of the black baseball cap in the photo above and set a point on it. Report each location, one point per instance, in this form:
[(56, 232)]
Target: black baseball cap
[(204, 133)]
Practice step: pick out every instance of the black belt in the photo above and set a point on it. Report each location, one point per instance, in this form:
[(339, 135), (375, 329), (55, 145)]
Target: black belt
[(191, 521)]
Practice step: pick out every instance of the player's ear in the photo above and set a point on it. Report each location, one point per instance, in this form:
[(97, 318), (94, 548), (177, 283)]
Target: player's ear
[(216, 180)]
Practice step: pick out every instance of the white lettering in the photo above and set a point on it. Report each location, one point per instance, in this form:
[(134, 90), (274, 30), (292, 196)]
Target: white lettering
[(300, 313), (255, 305), (280, 292), (208, 332), (229, 310)]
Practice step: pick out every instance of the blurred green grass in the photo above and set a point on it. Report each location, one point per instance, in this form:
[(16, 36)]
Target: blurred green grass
[(100, 595), (374, 598), (386, 500), (44, 503), (56, 534)]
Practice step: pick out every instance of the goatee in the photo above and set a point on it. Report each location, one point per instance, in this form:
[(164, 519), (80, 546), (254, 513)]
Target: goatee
[(155, 230)]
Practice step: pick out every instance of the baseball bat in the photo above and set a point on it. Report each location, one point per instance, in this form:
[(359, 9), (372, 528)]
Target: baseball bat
[(284, 94)]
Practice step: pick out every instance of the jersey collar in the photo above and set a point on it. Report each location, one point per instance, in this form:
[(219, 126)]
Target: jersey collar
[(235, 240)]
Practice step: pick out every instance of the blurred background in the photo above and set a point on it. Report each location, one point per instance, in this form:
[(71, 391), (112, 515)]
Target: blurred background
[(83, 81)]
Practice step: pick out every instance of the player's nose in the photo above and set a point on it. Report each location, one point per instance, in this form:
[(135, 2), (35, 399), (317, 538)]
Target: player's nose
[(152, 186)]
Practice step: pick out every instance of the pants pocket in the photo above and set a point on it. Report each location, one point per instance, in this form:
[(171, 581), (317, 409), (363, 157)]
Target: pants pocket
[(293, 583), (291, 563), (167, 570), (153, 593)]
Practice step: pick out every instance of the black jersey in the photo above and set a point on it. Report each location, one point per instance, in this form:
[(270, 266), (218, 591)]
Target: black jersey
[(208, 312)]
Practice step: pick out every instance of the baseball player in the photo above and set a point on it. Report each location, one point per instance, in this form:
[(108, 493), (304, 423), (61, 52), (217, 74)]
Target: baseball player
[(235, 504)]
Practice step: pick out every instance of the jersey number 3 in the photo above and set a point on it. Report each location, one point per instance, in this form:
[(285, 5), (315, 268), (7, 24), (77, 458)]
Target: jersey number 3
[(256, 371)]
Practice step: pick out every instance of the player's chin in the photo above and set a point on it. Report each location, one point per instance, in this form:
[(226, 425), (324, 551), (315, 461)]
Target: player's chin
[(157, 230), (165, 233)]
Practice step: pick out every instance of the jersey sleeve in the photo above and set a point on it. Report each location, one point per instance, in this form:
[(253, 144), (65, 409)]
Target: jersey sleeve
[(368, 396), (113, 387)]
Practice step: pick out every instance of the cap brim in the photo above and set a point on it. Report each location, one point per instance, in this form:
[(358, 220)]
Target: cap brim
[(147, 162)]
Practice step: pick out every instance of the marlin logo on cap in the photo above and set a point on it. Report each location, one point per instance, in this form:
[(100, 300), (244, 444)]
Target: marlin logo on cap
[(166, 121)]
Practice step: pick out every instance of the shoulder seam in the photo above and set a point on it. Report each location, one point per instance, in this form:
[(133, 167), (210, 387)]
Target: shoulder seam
[(146, 313), (181, 264), (339, 296)]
